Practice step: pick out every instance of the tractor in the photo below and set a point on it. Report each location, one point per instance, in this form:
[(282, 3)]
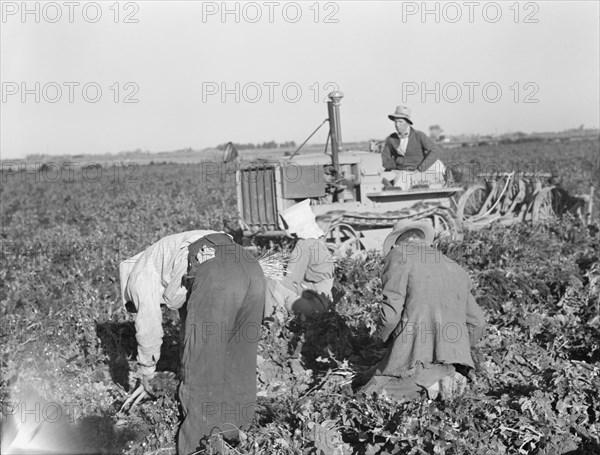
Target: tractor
[(352, 204)]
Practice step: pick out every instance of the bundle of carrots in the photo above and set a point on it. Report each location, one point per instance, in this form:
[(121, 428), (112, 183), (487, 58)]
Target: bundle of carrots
[(273, 265)]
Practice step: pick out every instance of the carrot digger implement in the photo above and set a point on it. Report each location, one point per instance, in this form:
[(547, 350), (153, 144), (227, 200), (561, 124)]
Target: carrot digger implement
[(514, 197)]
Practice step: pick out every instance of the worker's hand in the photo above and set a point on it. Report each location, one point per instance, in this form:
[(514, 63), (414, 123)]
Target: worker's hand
[(144, 390), (146, 383)]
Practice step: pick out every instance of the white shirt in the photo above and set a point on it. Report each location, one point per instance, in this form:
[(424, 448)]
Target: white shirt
[(151, 278), (403, 142)]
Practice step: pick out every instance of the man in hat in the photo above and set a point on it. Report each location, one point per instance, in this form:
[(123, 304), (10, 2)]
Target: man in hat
[(409, 156), (430, 318), (306, 287), (221, 308)]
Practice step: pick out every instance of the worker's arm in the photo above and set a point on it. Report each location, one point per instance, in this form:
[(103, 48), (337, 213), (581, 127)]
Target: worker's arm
[(322, 264), (175, 293), (395, 281), (143, 289), (387, 156), (431, 151), (125, 269), (146, 293), (297, 266)]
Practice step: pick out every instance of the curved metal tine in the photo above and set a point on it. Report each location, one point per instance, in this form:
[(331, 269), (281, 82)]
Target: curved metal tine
[(500, 203), (519, 196), (490, 198), (511, 196), (493, 198)]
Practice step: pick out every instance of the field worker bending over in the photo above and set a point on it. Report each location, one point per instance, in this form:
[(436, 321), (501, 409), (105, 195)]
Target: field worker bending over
[(149, 279), (409, 156), (430, 318), (225, 292), (222, 330), (306, 287)]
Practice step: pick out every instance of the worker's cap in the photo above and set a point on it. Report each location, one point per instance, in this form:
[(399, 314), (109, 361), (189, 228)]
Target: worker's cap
[(403, 226), (300, 220), (401, 112)]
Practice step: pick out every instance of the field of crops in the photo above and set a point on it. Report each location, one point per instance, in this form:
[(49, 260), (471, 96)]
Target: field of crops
[(68, 346)]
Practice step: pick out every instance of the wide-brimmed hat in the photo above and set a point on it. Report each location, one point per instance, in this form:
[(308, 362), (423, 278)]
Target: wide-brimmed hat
[(401, 112), (401, 227), (300, 220)]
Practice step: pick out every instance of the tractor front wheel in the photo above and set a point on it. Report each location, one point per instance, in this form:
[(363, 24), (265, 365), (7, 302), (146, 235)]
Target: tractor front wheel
[(473, 201)]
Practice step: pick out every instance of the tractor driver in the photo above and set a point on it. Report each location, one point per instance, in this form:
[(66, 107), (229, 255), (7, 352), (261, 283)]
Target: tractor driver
[(409, 156)]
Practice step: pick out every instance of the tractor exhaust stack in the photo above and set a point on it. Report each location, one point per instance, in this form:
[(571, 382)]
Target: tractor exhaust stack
[(335, 130)]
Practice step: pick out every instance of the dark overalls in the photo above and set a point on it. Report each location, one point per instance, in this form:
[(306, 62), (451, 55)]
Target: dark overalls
[(222, 329)]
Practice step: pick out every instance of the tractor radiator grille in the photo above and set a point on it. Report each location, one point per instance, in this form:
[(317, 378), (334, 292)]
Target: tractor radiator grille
[(258, 204)]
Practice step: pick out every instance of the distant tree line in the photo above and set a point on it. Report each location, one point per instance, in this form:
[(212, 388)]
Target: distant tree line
[(264, 145)]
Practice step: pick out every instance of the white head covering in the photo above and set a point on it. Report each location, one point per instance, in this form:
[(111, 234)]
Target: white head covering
[(300, 220)]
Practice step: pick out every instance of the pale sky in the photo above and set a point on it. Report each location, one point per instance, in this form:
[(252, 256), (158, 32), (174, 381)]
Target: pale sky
[(493, 67)]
